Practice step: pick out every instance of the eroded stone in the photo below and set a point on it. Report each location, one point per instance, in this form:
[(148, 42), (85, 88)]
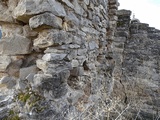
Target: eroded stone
[(45, 20), (52, 38)]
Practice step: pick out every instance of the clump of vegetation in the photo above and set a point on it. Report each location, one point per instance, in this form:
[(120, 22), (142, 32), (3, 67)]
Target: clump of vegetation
[(24, 96), (29, 97), (12, 116)]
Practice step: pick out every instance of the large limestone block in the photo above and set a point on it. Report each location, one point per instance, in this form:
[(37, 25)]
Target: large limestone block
[(15, 45), (28, 8), (48, 38), (46, 20), (4, 62)]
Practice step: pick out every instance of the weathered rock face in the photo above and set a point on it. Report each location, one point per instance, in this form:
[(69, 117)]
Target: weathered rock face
[(56, 58), (71, 59), (136, 72)]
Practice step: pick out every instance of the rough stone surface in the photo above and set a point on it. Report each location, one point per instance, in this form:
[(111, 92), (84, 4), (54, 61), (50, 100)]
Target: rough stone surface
[(28, 8), (136, 54), (76, 60), (5, 10), (15, 45), (53, 57), (9, 82), (4, 63), (44, 21), (24, 72), (52, 37)]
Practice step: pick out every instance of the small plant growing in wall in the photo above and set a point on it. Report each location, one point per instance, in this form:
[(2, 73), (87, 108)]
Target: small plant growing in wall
[(29, 100), (12, 116)]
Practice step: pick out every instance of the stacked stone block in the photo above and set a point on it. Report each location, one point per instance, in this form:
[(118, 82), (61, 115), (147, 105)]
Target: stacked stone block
[(54, 58)]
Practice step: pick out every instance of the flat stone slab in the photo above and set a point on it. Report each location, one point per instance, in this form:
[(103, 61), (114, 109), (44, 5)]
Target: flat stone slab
[(15, 45), (46, 20), (29, 8)]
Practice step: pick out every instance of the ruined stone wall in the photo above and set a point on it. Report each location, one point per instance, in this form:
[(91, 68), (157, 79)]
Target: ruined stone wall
[(136, 49), (56, 60), (66, 60)]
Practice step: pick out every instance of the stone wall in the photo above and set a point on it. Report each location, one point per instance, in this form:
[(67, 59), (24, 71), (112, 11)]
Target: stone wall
[(136, 73), (72, 60), (56, 60)]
